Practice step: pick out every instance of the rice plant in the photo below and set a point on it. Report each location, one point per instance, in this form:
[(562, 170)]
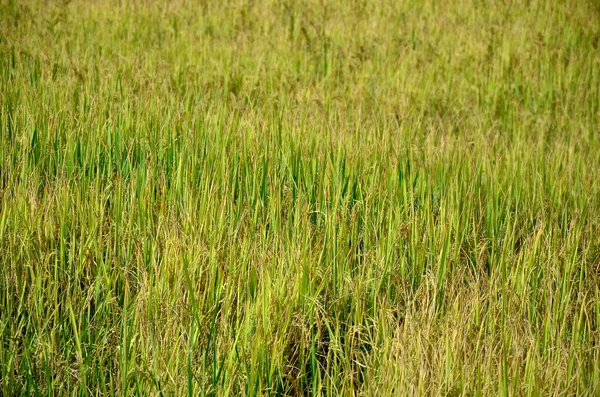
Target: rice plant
[(312, 197)]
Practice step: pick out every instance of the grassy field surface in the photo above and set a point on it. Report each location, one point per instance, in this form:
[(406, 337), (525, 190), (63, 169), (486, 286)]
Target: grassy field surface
[(334, 197)]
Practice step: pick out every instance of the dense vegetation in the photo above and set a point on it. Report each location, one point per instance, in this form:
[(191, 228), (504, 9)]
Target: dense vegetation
[(332, 197)]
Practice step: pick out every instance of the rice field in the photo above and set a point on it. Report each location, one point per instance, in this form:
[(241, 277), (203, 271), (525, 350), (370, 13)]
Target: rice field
[(311, 197)]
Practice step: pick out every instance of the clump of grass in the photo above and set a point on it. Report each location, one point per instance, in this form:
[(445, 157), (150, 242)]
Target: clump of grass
[(299, 198)]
